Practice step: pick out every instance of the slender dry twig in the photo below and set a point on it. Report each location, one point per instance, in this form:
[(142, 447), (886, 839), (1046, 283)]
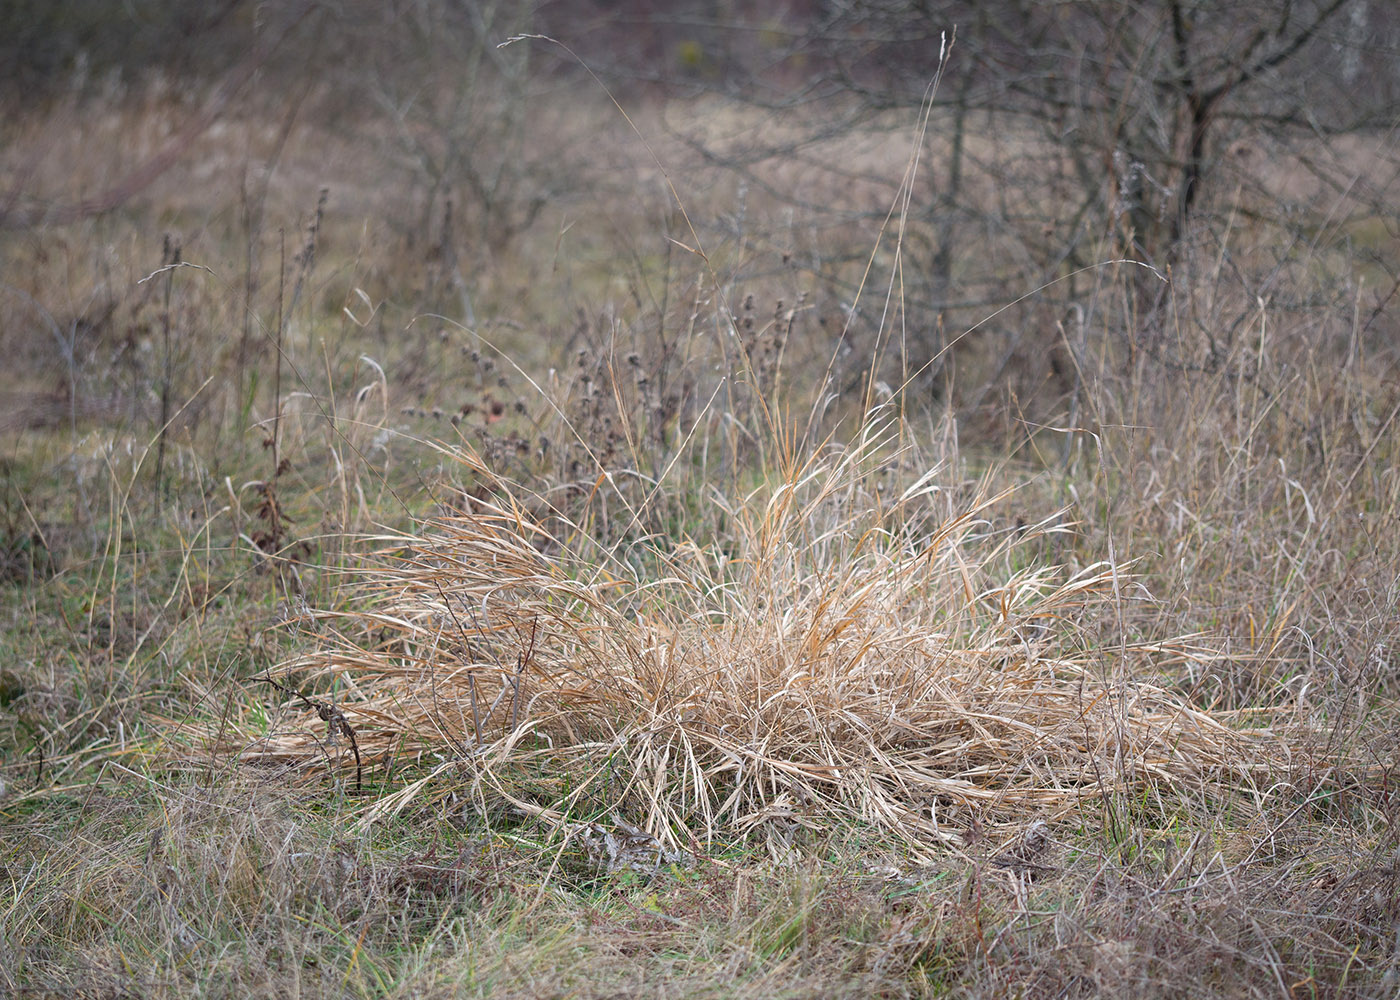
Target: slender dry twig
[(334, 719)]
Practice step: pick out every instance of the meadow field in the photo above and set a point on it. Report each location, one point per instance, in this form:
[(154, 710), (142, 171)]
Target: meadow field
[(547, 556)]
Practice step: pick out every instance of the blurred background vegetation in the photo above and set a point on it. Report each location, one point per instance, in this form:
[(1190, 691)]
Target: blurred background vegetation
[(1065, 134)]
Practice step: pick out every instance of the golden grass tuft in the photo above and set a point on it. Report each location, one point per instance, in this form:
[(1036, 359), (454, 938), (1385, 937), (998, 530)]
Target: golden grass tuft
[(857, 647)]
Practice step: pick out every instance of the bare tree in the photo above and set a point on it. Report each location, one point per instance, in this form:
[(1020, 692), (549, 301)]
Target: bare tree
[(1066, 134)]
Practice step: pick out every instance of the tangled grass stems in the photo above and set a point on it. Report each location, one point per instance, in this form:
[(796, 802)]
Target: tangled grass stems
[(837, 658)]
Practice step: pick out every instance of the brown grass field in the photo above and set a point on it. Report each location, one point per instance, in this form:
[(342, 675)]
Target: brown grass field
[(573, 589)]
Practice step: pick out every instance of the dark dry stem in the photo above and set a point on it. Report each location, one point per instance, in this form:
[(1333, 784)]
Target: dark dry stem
[(334, 719)]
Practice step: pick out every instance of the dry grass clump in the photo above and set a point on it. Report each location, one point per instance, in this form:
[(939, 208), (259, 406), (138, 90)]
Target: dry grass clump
[(654, 609), (856, 646)]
